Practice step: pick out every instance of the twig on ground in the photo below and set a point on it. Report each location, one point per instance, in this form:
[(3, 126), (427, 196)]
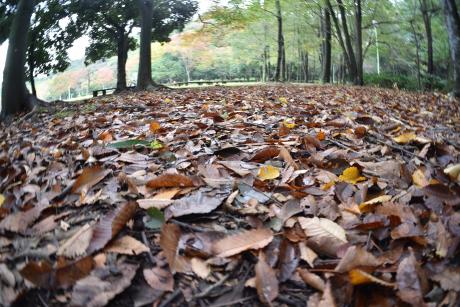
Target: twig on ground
[(146, 242), (208, 290), (171, 298)]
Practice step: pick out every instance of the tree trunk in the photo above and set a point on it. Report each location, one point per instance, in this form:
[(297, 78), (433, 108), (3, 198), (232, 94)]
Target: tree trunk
[(453, 30), (15, 96), (122, 57), (144, 76), (326, 46), (417, 58), (359, 43), (281, 62), (429, 36), (353, 68)]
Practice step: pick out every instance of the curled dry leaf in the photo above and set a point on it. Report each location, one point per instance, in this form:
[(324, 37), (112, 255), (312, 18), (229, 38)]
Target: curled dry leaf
[(159, 278), (110, 225), (77, 244), (102, 285), (20, 221), (170, 181), (405, 138), (312, 280), (289, 258), (169, 241), (160, 200), (43, 275), (127, 245), (355, 257), (266, 281), (243, 241), (265, 154), (452, 171), (359, 277), (198, 202), (88, 178), (324, 235), (286, 156)]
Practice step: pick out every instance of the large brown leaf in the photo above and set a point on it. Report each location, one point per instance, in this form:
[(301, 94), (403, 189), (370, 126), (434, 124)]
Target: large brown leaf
[(169, 241), (170, 181), (243, 241), (20, 221), (410, 285), (266, 281), (88, 178), (110, 225)]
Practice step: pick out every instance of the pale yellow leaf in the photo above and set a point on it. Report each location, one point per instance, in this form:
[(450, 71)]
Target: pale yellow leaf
[(405, 138), (452, 171), (268, 172), (351, 175), (200, 267), (419, 179), (322, 227), (2, 199)]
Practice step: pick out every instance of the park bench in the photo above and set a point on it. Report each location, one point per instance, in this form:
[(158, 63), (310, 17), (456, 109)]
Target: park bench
[(105, 90)]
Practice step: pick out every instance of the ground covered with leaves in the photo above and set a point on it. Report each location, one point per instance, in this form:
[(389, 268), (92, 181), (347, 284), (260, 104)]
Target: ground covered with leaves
[(276, 195)]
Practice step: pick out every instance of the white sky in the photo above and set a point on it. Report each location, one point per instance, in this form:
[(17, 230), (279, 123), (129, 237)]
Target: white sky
[(78, 49)]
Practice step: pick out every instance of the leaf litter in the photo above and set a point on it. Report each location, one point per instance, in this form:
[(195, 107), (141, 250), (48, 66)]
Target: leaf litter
[(276, 195)]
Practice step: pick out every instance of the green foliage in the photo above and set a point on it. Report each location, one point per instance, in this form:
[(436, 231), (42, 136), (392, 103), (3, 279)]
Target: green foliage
[(404, 82)]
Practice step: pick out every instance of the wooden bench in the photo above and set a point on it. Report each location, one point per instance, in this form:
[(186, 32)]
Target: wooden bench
[(104, 91)]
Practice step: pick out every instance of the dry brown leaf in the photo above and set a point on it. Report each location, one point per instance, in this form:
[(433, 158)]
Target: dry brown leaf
[(159, 279), (409, 283), (200, 267), (307, 254), (327, 299), (88, 178), (289, 258), (127, 245), (359, 277), (160, 200), (77, 244), (286, 156), (355, 257), (243, 241), (102, 285), (266, 281), (449, 279), (265, 154), (198, 202), (110, 225), (43, 275), (20, 221), (312, 280), (169, 241), (170, 181)]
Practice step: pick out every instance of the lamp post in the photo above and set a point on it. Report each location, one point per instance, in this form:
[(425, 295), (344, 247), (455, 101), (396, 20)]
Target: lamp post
[(375, 23)]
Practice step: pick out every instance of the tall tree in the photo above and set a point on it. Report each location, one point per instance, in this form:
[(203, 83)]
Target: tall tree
[(110, 25), (280, 74), (157, 22), (326, 46), (453, 29), (15, 96), (427, 11)]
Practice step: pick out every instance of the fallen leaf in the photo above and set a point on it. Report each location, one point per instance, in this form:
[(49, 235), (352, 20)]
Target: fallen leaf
[(102, 285), (77, 244), (127, 245), (449, 279), (405, 138), (359, 277), (321, 136), (200, 267), (155, 219), (452, 171), (110, 225), (408, 281), (265, 154), (88, 178), (268, 172), (312, 280), (266, 281), (307, 254), (160, 200), (288, 260), (133, 157), (243, 241), (154, 126), (198, 202), (20, 221), (170, 181), (169, 240), (2, 200), (159, 278), (286, 156), (324, 235), (356, 257), (351, 175), (289, 123), (128, 144), (43, 275), (419, 179)]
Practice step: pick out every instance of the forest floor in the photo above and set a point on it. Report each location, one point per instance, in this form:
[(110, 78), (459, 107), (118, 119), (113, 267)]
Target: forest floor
[(219, 196)]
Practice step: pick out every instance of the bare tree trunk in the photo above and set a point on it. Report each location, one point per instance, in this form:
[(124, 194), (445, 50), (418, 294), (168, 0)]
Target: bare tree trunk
[(417, 53), (281, 62), (144, 76), (15, 96), (453, 29), (353, 68), (326, 46), (429, 35), (122, 57), (359, 43)]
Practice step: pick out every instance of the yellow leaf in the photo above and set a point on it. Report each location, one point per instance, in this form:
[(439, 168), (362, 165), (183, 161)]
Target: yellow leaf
[(328, 185), (366, 206), (283, 100), (419, 179), (268, 172), (358, 277), (155, 126), (321, 136), (453, 172), (405, 138), (167, 100), (2, 199), (289, 123), (351, 175)]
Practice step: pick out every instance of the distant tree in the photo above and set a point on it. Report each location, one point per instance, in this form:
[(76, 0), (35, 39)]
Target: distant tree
[(453, 28), (157, 22), (110, 25)]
